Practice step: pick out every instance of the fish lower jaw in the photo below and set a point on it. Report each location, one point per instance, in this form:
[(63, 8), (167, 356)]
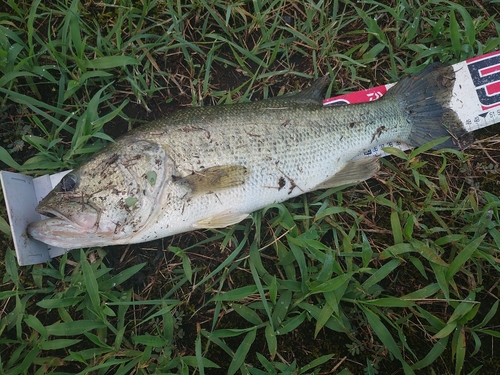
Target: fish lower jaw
[(61, 233)]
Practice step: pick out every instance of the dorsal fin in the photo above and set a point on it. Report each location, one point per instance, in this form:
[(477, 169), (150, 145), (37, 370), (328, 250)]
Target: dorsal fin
[(311, 95)]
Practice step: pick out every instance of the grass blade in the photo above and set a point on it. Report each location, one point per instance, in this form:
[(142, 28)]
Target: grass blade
[(247, 313), (73, 328), (120, 278), (434, 354), (241, 352), (236, 294), (458, 348), (109, 62), (272, 342), (463, 256), (58, 344), (382, 332), (380, 274), (90, 282)]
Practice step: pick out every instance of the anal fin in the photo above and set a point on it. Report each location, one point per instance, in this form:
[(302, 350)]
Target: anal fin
[(221, 220), (355, 171)]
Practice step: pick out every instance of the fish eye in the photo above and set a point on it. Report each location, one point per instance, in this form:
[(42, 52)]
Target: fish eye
[(68, 182)]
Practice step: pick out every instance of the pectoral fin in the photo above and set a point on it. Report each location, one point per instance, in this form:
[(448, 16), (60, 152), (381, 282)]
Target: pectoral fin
[(220, 221), (212, 179), (355, 171)]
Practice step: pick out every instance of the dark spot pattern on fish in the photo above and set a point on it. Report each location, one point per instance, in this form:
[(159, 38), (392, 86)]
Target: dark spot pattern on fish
[(281, 183), (252, 134), (106, 164), (293, 185), (378, 132)]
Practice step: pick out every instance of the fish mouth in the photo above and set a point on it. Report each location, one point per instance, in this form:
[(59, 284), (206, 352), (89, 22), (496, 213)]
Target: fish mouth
[(84, 220), (64, 229), (53, 214)]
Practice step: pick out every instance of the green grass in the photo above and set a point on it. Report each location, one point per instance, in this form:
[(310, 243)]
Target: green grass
[(396, 275)]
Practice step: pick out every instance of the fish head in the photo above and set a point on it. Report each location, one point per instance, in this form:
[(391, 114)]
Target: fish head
[(106, 200)]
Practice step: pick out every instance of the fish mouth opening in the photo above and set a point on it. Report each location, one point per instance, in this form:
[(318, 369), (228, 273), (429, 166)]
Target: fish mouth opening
[(50, 215), (84, 220), (54, 216)]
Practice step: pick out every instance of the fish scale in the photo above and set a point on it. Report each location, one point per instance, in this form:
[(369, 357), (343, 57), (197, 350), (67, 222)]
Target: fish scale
[(308, 147), (215, 165)]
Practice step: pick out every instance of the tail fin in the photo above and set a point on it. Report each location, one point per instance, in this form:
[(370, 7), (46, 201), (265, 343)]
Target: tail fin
[(425, 98)]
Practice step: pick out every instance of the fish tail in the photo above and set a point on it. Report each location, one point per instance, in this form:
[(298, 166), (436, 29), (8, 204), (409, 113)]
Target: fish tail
[(425, 99)]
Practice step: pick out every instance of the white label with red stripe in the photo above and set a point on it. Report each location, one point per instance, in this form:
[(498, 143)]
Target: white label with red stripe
[(475, 99), (476, 94)]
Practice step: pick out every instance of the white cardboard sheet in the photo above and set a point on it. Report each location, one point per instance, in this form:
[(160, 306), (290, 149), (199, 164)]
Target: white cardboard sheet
[(22, 194)]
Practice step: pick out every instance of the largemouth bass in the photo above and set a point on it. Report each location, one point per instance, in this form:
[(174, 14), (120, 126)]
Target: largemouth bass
[(210, 167)]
